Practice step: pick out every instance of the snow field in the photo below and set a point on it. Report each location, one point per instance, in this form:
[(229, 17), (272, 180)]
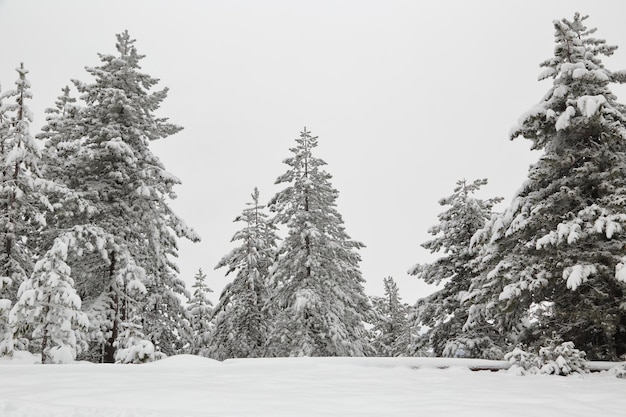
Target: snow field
[(189, 386)]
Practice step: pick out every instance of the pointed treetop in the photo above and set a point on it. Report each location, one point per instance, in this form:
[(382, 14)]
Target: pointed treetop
[(125, 46), (580, 90), (22, 71), (574, 44)]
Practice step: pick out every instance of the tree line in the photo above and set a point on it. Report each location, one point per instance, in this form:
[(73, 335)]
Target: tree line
[(550, 267), (87, 263)]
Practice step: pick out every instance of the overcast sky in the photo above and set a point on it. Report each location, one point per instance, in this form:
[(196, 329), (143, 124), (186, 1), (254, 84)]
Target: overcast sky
[(407, 97)]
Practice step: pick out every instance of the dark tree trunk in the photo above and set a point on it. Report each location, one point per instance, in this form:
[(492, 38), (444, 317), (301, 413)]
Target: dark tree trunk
[(110, 348)]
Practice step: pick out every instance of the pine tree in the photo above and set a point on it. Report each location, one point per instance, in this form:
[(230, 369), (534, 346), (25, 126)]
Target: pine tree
[(63, 136), (318, 298), (391, 331), (240, 322), (200, 310), (442, 312), (24, 199), (106, 143), (20, 211), (7, 343), (132, 346), (49, 309), (554, 259)]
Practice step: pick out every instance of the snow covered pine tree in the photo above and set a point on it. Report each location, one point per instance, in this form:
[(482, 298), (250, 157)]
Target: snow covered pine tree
[(105, 142), (391, 330), (24, 199), (442, 312), (240, 321), (554, 260), (200, 310), (318, 297)]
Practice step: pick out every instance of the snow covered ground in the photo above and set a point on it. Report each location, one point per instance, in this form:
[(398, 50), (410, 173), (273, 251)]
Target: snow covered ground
[(188, 386)]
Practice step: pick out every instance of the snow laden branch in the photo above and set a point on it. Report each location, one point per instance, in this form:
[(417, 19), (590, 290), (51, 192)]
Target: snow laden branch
[(554, 260), (48, 305)]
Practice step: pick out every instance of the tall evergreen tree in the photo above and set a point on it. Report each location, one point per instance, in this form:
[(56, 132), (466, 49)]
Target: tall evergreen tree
[(240, 322), (319, 301), (554, 259), (24, 201), (127, 188), (442, 312), (21, 211), (391, 330), (200, 310)]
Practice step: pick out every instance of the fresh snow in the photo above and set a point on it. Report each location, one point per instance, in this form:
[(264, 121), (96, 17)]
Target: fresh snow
[(563, 120), (578, 274), (589, 105), (620, 271), (190, 386)]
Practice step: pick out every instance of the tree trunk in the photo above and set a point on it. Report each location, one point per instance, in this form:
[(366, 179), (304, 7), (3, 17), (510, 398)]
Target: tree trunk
[(110, 348)]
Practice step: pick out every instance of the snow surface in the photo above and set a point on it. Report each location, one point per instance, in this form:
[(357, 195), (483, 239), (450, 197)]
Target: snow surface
[(190, 386)]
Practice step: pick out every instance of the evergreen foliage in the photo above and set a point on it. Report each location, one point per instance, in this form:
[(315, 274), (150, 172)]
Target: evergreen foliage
[(318, 301), (48, 309), (88, 241), (104, 148), (200, 310), (24, 200), (392, 332), (240, 323), (443, 312), (132, 346), (62, 134), (554, 359), (21, 200), (7, 343), (553, 261)]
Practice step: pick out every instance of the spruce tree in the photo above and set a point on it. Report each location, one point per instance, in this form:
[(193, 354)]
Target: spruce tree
[(200, 310), (105, 141), (318, 301), (48, 311), (21, 212), (132, 346), (391, 330), (63, 136), (24, 199), (240, 322), (443, 312), (554, 259), (7, 344)]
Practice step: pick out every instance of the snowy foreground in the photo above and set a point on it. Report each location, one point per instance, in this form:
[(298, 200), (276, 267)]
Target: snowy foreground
[(191, 386)]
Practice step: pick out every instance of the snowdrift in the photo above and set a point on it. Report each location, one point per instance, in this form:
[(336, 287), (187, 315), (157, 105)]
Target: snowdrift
[(190, 386)]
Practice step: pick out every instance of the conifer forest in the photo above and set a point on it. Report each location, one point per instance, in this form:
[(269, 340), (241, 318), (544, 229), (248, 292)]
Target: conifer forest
[(89, 240)]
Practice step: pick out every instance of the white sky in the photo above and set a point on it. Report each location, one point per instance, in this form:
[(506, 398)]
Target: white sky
[(406, 97)]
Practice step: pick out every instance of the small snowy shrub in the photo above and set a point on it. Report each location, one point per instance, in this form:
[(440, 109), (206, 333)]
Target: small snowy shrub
[(619, 371), (6, 337), (141, 352), (472, 346), (522, 362), (134, 348), (562, 359), (61, 354), (554, 359)]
